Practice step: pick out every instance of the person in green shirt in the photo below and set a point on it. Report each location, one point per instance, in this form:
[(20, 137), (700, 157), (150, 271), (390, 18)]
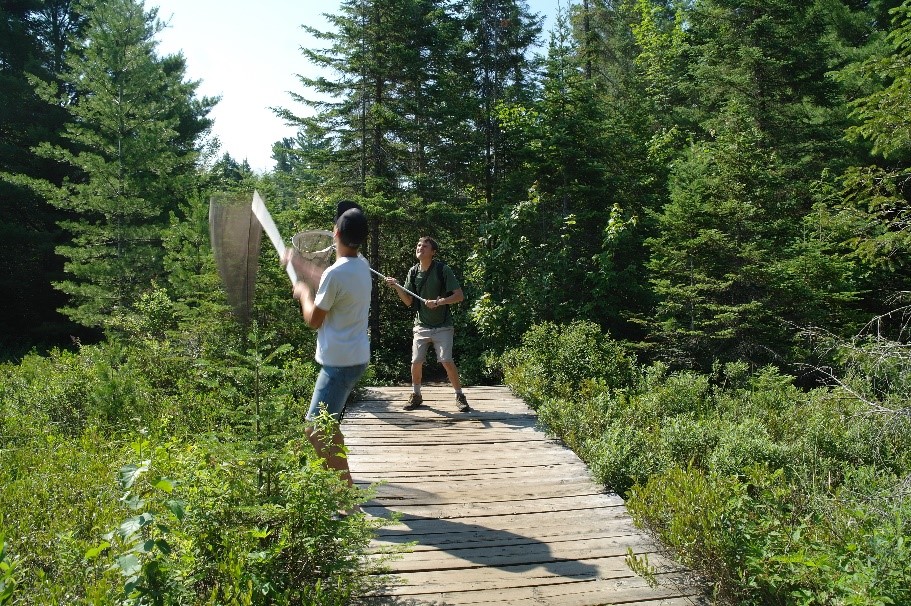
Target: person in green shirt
[(435, 282)]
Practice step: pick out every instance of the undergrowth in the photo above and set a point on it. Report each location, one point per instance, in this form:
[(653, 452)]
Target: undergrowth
[(773, 494), (146, 472)]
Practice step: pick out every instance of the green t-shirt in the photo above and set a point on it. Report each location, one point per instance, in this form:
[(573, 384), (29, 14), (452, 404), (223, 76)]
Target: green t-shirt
[(427, 285)]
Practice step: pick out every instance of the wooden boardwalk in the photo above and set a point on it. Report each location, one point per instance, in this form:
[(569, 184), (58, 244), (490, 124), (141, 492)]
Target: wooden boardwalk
[(499, 513)]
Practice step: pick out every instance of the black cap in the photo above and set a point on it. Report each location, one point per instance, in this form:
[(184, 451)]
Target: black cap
[(352, 227), (344, 205)]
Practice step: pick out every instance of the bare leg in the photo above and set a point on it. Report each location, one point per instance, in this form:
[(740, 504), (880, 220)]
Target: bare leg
[(333, 453), (417, 373), (453, 373)]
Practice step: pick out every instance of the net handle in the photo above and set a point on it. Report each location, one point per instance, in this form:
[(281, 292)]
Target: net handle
[(366, 262), (396, 285)]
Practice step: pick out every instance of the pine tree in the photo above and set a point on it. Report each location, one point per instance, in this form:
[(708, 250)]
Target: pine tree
[(33, 37), (500, 32), (132, 136), (877, 195)]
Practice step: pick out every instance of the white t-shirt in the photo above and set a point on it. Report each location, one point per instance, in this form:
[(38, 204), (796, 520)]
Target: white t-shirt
[(344, 294)]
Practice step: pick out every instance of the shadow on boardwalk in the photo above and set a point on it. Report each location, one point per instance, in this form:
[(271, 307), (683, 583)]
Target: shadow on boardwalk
[(478, 545), (380, 404), (491, 511)]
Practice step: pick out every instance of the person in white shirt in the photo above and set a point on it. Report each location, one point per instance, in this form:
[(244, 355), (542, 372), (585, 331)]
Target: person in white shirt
[(339, 312)]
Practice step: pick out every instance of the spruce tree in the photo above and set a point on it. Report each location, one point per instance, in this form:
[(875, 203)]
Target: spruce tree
[(766, 129), (33, 37), (876, 194), (132, 137), (501, 33)]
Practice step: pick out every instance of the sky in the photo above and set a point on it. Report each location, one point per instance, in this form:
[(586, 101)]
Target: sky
[(249, 55)]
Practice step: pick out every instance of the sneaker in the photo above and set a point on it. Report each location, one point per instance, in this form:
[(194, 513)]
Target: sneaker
[(462, 401), (414, 401)]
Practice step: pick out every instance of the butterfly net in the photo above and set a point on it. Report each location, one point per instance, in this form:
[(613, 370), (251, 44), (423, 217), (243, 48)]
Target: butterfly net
[(314, 251), (235, 235)]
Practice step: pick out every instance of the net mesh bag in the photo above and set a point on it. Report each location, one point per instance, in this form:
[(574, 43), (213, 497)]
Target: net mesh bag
[(235, 234), (314, 251)]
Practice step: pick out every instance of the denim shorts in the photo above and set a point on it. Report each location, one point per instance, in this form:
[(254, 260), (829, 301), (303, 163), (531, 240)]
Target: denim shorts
[(441, 338), (333, 385)]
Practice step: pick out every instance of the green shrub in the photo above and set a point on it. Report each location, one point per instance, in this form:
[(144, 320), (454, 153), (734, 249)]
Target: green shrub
[(55, 389), (679, 393), (557, 360), (287, 548), (580, 421), (622, 457), (258, 522), (56, 496), (8, 571), (689, 439), (699, 516), (774, 494), (743, 445)]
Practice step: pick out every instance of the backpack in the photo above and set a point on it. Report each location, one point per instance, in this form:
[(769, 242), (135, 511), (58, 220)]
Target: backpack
[(441, 279)]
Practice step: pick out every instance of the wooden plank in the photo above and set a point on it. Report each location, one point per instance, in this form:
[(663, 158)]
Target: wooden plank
[(451, 488), (537, 525), (495, 457), (624, 590), (465, 539), (500, 578), (609, 591), (489, 510), (583, 505), (410, 440), (528, 553)]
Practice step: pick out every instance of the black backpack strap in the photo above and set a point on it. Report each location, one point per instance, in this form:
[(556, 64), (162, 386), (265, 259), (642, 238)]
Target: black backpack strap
[(412, 277), (441, 278)]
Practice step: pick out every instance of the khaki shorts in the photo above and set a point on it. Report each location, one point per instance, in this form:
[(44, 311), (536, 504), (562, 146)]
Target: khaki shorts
[(441, 338)]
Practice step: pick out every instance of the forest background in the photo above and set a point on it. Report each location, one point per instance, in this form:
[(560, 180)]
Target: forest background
[(682, 233)]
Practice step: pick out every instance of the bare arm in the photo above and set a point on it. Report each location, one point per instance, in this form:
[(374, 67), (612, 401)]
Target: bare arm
[(404, 296), (313, 315), (452, 299)]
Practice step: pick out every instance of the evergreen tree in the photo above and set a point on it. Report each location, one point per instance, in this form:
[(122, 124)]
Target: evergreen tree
[(501, 33), (33, 38), (133, 138), (768, 129), (876, 196), (567, 166), (400, 119), (603, 30)]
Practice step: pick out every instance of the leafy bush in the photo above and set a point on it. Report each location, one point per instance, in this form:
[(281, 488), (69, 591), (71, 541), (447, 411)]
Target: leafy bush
[(623, 456), (8, 568), (54, 389), (557, 360), (690, 438), (663, 395), (758, 547), (773, 494), (740, 446), (56, 494), (206, 537), (219, 499)]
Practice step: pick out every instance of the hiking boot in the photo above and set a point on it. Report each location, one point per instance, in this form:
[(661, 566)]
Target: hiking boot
[(462, 401), (414, 401)]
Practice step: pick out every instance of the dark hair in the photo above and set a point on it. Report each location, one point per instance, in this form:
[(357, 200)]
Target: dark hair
[(431, 241)]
